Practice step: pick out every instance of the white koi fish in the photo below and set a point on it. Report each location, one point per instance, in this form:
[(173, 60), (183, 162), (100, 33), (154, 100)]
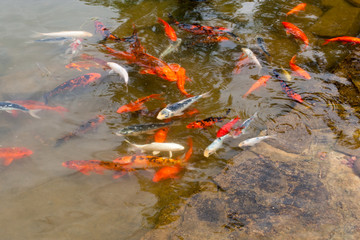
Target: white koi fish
[(66, 34), (253, 141), (176, 109), (157, 147), (252, 56), (116, 68), (215, 145)]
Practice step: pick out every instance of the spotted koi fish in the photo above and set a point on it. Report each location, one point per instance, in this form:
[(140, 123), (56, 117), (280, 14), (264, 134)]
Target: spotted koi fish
[(203, 30), (90, 125), (207, 122), (287, 89), (9, 154), (141, 128), (68, 86)]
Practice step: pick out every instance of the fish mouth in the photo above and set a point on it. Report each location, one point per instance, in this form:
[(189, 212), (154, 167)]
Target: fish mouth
[(207, 153)]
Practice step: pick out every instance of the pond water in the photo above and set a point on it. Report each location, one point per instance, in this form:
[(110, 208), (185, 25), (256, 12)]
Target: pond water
[(40, 199)]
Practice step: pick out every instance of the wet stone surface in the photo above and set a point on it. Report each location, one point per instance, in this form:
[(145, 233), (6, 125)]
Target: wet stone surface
[(350, 68)]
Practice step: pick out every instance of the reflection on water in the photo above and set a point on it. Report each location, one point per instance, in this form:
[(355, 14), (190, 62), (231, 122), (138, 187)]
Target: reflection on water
[(49, 201)]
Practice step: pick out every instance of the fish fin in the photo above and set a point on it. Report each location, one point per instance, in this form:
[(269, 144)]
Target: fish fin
[(206, 95), (156, 152), (84, 171), (33, 112), (147, 71), (7, 161), (119, 174)]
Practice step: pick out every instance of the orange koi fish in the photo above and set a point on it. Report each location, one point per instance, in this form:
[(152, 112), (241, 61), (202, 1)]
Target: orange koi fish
[(31, 104), (294, 30), (260, 82), (9, 154), (181, 79), (161, 134), (90, 125), (297, 9), (83, 64), (344, 39), (149, 64), (169, 31), (227, 127), (70, 85), (173, 171), (298, 70), (207, 122), (138, 104), (85, 166)]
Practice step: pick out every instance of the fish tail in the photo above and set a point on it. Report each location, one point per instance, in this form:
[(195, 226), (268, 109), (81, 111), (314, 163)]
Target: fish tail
[(206, 95), (33, 112)]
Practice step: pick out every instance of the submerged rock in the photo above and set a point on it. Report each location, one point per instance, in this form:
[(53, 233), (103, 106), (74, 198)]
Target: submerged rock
[(342, 19), (356, 3)]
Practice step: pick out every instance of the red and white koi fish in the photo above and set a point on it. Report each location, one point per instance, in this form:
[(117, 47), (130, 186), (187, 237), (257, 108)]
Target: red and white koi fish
[(296, 9), (298, 70), (344, 39), (245, 58), (9, 154), (296, 32), (260, 82)]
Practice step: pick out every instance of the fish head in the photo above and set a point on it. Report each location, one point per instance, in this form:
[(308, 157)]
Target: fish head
[(166, 73), (122, 132), (247, 52), (297, 97), (123, 109), (24, 152), (164, 114)]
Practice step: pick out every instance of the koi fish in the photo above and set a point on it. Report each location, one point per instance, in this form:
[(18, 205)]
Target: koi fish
[(9, 107), (84, 128), (181, 79), (31, 104), (83, 64), (189, 151), (243, 127), (9, 154), (260, 82), (287, 89), (85, 166), (207, 122), (286, 74), (103, 31), (260, 41), (173, 46), (298, 70), (149, 64), (176, 109), (161, 134), (246, 57), (253, 141), (215, 145), (116, 68), (75, 46), (344, 39), (213, 39), (169, 31), (157, 147), (296, 32), (297, 9), (227, 127), (66, 34), (79, 82), (203, 30), (141, 128), (58, 39), (166, 173), (138, 104)]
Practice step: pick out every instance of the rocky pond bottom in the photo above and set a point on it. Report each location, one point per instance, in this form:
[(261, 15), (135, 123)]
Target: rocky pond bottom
[(292, 187)]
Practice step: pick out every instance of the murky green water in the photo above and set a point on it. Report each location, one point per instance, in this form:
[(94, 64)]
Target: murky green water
[(40, 199)]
